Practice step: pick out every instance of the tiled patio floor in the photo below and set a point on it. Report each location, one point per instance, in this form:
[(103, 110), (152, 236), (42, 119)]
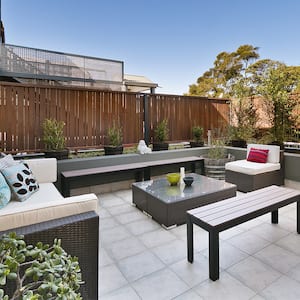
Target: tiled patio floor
[(141, 260)]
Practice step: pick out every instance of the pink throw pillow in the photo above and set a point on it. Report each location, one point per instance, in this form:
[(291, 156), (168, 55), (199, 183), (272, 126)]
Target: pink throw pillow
[(258, 155)]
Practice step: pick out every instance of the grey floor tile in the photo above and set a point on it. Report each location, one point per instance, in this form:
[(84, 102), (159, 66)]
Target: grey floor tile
[(283, 288), (120, 209), (157, 237), (227, 234), (103, 213), (104, 258), (254, 273), (131, 217), (278, 258), (225, 288), (192, 274), (248, 242), (294, 273), (171, 252), (110, 279), (291, 242), (287, 223), (270, 232), (108, 200), (124, 248), (160, 285), (108, 236), (142, 226), (124, 293), (229, 255), (107, 223), (140, 265), (189, 295), (250, 224)]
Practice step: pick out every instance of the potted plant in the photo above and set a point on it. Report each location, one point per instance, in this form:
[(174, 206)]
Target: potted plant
[(115, 139), (161, 134), (215, 160), (54, 139), (197, 133), (37, 272), (238, 136)]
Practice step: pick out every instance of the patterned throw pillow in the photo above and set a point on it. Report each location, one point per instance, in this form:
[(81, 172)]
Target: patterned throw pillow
[(7, 161), (5, 193), (258, 155), (21, 181)]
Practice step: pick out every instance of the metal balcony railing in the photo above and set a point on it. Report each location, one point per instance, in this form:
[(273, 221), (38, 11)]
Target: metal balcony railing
[(30, 64)]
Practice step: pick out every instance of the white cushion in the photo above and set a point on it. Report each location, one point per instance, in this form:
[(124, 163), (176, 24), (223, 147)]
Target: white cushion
[(44, 205), (43, 169), (251, 168), (273, 155)]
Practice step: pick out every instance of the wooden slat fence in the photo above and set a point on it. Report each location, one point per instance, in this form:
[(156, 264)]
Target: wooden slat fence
[(88, 113)]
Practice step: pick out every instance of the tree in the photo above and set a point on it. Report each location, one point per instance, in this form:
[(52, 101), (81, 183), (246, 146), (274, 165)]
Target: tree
[(228, 69), (276, 85)]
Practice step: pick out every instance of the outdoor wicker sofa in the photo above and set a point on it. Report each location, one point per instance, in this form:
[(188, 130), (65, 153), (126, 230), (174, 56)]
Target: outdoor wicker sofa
[(46, 215), (249, 176)]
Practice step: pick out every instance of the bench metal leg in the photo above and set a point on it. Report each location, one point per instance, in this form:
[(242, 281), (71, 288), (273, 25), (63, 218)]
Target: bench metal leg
[(298, 216), (190, 239), (213, 255), (274, 216)]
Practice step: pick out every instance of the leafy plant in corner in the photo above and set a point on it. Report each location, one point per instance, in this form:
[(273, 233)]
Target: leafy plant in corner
[(39, 272), (197, 133), (115, 139), (161, 134), (53, 134), (54, 139)]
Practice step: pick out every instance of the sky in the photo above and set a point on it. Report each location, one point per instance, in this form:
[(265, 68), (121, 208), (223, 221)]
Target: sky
[(172, 42)]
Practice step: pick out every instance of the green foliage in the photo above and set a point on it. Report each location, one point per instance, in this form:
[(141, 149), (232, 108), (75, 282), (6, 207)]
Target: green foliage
[(228, 68), (217, 150), (40, 271), (277, 87), (197, 132), (115, 135), (53, 134), (161, 132)]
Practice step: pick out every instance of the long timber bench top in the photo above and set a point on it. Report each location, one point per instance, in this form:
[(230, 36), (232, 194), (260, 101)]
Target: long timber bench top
[(131, 166), (230, 212)]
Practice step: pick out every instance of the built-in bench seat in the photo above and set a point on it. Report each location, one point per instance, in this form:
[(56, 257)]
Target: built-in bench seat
[(137, 171)]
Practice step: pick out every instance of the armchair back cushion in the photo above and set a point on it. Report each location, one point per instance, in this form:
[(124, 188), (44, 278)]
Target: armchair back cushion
[(273, 155)]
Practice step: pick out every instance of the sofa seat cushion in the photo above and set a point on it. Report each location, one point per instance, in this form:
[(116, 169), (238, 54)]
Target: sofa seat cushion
[(44, 205), (251, 168)]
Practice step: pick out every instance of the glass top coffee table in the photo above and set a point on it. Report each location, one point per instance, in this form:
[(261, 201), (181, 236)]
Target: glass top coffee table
[(168, 204)]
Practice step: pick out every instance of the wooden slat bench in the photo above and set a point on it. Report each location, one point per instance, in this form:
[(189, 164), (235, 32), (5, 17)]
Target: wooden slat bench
[(137, 171), (228, 213)]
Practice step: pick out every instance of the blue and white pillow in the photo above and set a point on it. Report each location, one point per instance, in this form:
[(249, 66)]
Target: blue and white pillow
[(5, 193), (21, 181)]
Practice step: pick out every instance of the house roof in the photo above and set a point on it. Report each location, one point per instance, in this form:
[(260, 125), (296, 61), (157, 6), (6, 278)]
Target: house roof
[(138, 83)]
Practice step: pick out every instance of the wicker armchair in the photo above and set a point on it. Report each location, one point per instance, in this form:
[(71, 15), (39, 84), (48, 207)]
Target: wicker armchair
[(80, 237)]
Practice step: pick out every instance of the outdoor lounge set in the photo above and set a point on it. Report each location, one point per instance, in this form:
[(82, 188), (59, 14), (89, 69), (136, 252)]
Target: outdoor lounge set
[(45, 215)]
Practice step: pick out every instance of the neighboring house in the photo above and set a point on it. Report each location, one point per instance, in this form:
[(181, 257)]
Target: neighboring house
[(30, 65)]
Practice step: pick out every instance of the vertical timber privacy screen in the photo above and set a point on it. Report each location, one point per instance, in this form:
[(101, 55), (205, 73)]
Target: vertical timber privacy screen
[(88, 113)]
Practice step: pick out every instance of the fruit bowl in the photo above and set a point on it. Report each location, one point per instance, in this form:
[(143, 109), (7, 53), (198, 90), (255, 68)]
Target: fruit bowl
[(188, 180), (173, 178)]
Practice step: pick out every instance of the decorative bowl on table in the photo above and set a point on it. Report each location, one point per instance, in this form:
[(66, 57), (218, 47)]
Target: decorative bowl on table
[(173, 178), (188, 180)]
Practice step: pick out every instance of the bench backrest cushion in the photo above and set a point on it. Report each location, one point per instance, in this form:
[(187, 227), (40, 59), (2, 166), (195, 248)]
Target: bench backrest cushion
[(273, 155)]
